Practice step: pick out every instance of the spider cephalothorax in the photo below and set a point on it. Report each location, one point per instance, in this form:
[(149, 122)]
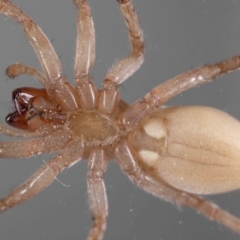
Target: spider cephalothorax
[(174, 153)]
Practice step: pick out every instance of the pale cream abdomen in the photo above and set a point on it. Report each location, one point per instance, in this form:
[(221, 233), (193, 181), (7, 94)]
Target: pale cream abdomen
[(194, 149)]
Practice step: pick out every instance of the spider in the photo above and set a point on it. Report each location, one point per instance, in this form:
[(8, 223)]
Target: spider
[(152, 144)]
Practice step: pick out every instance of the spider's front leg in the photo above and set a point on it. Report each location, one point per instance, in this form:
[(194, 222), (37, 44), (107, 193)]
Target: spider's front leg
[(58, 88), (71, 153), (43, 48), (97, 193)]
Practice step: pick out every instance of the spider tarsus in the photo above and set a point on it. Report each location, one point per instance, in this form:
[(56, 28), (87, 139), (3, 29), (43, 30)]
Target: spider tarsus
[(3, 205), (123, 1)]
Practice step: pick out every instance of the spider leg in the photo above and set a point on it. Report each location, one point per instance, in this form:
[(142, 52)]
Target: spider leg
[(210, 210), (97, 193), (173, 87), (162, 190), (58, 87), (28, 148), (43, 48), (85, 56), (42, 178), (126, 67), (17, 69), (21, 133)]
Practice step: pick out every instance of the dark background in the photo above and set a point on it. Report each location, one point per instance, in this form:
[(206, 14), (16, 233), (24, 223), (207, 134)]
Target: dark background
[(179, 35)]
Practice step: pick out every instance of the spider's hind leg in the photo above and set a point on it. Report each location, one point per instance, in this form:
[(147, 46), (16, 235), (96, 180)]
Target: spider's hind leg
[(182, 82), (162, 190)]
